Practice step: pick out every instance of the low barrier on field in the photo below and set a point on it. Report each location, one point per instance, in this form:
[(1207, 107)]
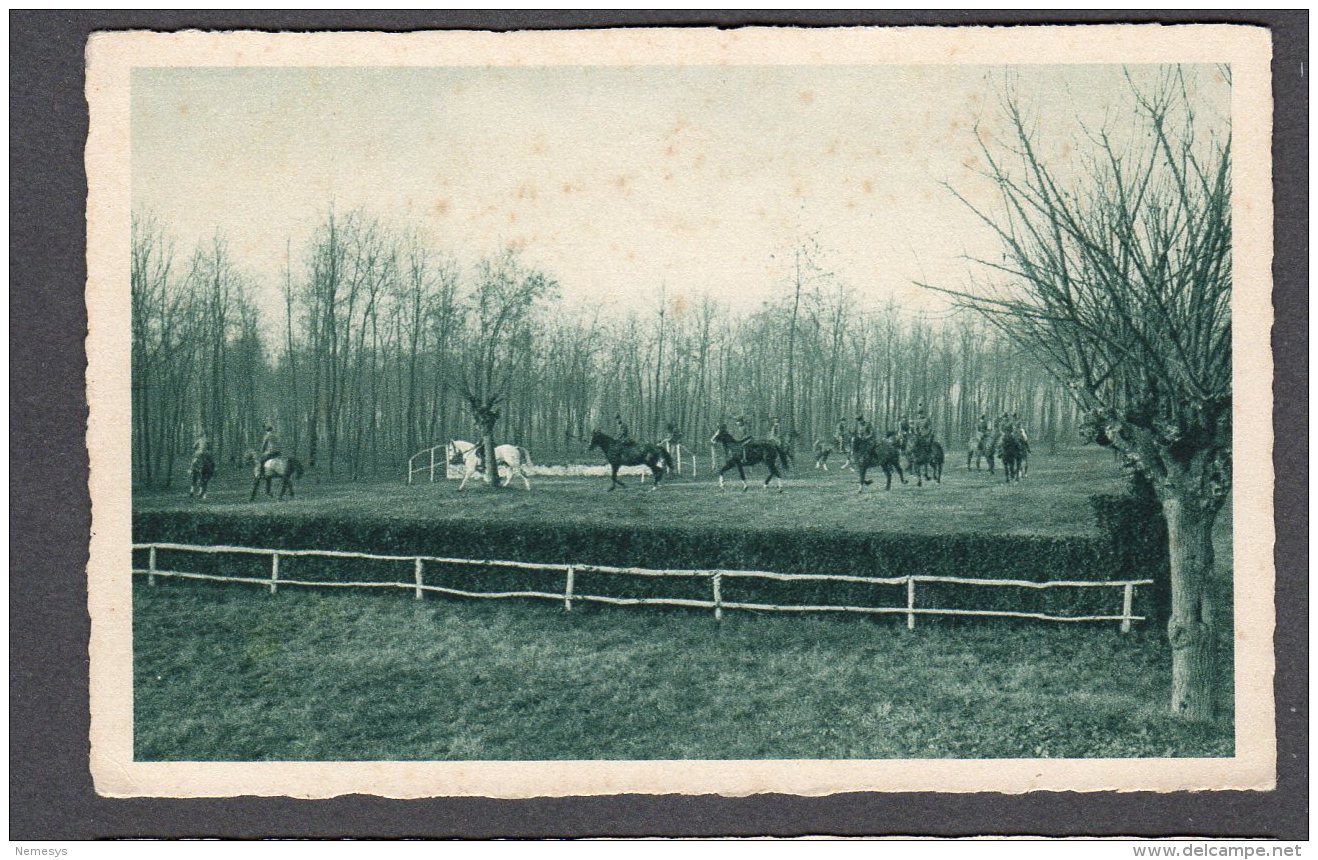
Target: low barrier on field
[(569, 594), (432, 463)]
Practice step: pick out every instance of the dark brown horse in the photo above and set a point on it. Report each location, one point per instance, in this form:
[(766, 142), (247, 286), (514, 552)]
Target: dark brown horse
[(885, 454), (620, 454), (1014, 453), (200, 472), (753, 453), (926, 459)]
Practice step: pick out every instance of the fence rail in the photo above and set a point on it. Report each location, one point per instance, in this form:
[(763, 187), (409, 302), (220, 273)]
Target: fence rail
[(570, 593), (433, 462)]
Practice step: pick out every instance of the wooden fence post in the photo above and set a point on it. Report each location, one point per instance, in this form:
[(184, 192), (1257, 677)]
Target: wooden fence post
[(419, 566), (567, 591), (1127, 599), (910, 603), (274, 572), (151, 566), (718, 597), (432, 465)]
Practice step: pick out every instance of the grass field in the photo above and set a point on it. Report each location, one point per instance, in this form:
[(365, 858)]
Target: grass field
[(233, 673), (1053, 500)]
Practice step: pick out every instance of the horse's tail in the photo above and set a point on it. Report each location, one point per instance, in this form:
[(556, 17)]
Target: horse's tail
[(525, 455)]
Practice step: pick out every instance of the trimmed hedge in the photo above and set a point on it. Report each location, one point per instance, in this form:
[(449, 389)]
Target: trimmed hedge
[(1134, 533), (804, 550)]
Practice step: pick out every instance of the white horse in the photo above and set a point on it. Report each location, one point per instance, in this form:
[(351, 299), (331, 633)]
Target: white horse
[(513, 457)]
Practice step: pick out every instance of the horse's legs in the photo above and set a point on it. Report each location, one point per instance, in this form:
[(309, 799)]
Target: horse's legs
[(522, 471), (255, 485), (289, 482), (887, 474), (741, 470)]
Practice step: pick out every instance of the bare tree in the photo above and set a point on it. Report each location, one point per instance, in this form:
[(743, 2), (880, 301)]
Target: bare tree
[(1116, 272), (499, 339)]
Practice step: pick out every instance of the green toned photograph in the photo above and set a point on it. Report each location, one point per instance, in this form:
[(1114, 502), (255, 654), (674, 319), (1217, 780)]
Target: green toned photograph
[(681, 412)]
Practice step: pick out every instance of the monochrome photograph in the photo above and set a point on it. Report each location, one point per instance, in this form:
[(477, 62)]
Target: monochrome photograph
[(583, 412)]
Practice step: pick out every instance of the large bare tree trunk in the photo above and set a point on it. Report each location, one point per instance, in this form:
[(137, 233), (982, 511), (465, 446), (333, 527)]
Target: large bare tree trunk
[(1192, 629)]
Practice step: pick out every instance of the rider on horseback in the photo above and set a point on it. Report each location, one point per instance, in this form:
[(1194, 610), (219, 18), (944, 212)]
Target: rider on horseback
[(202, 445), (840, 436), (744, 428), (621, 430), (775, 433), (924, 428), (269, 444), (982, 428), (864, 436)]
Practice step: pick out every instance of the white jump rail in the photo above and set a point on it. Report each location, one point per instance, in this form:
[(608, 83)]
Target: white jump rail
[(439, 451), (435, 460), (571, 594)]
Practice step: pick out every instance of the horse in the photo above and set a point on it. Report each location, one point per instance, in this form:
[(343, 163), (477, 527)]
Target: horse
[(982, 447), (925, 459), (279, 466), (200, 472), (467, 454), (885, 454), (620, 453), (753, 453), (1014, 453)]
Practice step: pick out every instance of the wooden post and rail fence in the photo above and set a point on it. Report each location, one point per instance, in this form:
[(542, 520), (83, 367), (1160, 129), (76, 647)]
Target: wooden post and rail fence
[(716, 578)]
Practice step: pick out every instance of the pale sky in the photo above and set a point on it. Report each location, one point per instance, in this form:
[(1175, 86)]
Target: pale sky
[(613, 180)]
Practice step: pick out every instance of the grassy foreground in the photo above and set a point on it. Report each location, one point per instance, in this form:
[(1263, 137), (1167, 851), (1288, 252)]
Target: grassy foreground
[(228, 673)]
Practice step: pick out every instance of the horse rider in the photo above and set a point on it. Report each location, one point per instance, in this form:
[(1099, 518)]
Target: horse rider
[(201, 446), (840, 436), (864, 436), (1004, 424), (621, 430), (1019, 426), (903, 430), (775, 433), (924, 428), (269, 444), (744, 428)]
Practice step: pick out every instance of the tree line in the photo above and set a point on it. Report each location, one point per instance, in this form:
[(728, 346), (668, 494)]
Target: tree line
[(388, 345)]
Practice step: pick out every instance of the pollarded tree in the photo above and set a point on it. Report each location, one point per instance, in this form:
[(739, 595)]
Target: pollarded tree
[(499, 338), (1116, 273)]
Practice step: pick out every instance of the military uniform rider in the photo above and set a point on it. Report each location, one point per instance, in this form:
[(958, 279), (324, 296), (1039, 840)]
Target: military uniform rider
[(621, 430), (864, 436), (202, 445), (923, 426), (744, 429), (269, 445)]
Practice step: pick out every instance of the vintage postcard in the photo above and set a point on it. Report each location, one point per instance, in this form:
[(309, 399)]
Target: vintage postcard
[(680, 411)]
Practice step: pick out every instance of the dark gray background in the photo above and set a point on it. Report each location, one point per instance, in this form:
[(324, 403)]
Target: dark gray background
[(51, 794)]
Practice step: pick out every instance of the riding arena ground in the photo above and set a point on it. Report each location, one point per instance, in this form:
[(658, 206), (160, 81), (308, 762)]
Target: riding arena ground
[(230, 672)]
